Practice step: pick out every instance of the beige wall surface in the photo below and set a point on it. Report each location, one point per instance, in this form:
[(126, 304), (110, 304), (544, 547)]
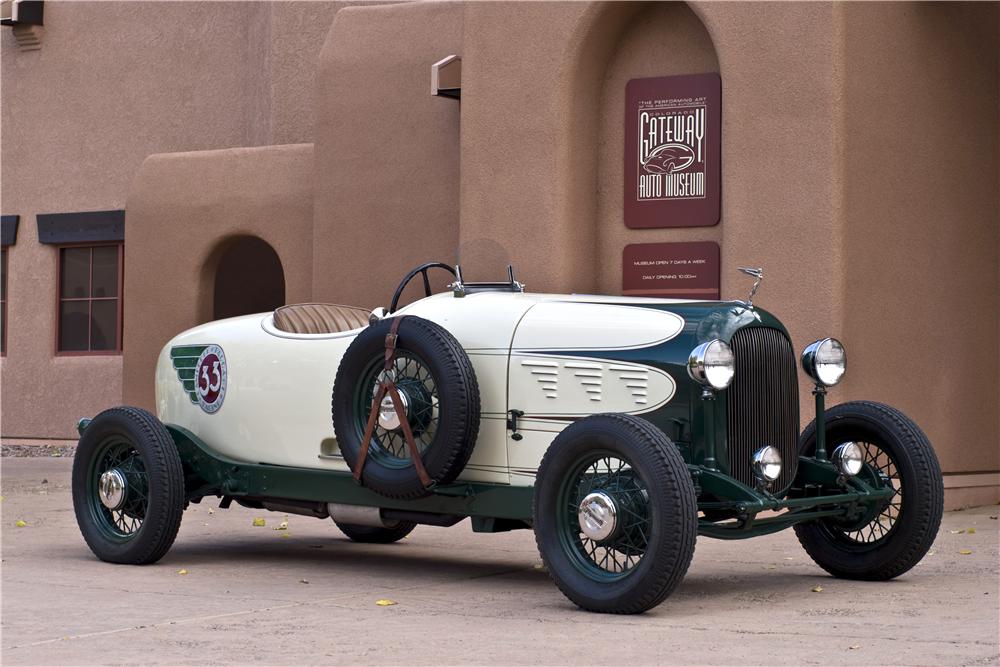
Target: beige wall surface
[(386, 181), (183, 210), (112, 83), (922, 219)]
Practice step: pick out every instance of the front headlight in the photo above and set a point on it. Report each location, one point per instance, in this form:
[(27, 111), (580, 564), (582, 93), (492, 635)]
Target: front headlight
[(712, 364), (849, 458), (767, 463), (825, 361)]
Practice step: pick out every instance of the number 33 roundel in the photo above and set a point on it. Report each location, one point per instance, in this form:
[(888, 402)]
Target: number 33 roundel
[(210, 379)]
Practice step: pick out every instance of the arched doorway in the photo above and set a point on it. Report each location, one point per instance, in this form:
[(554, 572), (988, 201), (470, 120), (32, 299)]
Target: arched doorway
[(248, 279)]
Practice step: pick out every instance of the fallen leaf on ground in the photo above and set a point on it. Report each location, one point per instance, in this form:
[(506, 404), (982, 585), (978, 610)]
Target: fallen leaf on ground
[(930, 553), (20, 524), (855, 647), (211, 511), (282, 526), (992, 517), (259, 521), (965, 552), (303, 581), (970, 531), (385, 603), (957, 532), (204, 524), (817, 589), (182, 571), (789, 558)]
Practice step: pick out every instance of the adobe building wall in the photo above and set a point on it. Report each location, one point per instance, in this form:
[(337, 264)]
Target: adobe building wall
[(113, 83), (921, 216), (387, 152), (183, 211)]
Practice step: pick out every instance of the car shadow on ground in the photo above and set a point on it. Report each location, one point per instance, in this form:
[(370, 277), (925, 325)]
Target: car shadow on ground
[(433, 564)]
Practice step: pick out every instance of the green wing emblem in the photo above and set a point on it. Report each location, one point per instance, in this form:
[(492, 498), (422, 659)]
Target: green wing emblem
[(185, 358)]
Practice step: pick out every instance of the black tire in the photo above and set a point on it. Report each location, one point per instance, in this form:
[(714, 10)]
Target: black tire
[(388, 469), (899, 536), (375, 534), (134, 443), (656, 497)]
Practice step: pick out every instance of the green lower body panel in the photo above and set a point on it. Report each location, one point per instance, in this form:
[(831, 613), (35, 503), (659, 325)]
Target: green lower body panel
[(501, 507), (211, 474)]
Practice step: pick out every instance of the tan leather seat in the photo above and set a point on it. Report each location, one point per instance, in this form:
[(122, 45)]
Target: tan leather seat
[(319, 318)]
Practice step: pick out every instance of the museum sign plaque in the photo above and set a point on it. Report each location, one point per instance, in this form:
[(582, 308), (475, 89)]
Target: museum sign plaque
[(673, 151), (676, 270)]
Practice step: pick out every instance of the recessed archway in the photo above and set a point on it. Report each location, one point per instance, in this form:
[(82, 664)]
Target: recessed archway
[(248, 279)]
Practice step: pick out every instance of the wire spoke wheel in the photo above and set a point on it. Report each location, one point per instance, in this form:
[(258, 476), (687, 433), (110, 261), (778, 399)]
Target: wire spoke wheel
[(128, 486), (615, 514), (121, 515), (881, 463), (890, 535), (418, 390), (439, 404), (605, 520)]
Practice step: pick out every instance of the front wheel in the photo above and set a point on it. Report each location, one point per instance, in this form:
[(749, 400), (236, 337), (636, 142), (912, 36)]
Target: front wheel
[(128, 487), (615, 514), (896, 534)]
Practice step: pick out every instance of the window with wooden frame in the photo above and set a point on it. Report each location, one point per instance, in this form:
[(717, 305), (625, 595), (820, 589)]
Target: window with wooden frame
[(3, 300), (90, 299)]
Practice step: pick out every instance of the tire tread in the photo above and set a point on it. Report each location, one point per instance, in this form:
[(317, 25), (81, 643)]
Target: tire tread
[(670, 476), (930, 511)]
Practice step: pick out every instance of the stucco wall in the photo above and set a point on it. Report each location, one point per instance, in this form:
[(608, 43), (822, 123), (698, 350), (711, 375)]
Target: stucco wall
[(182, 210), (922, 222), (113, 83), (387, 170)]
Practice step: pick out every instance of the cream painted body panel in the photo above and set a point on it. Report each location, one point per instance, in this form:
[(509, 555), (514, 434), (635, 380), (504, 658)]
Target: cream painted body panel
[(277, 404), (572, 325), (578, 386)]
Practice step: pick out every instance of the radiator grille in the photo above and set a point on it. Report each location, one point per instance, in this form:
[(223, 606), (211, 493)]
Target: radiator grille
[(763, 403)]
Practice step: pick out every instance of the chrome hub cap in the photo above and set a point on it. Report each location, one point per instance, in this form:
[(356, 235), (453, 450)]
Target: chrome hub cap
[(111, 489), (387, 417), (598, 516)]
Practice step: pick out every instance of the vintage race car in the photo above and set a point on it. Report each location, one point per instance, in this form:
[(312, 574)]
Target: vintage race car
[(618, 429)]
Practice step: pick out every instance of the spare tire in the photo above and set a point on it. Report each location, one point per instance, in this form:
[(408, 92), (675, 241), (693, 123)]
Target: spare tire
[(441, 398)]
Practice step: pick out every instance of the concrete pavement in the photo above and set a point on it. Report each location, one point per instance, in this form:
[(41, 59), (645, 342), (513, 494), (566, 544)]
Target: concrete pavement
[(255, 595)]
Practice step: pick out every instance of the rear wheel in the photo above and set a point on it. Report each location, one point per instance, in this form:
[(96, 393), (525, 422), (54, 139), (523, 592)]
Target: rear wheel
[(615, 514), (375, 534), (128, 487), (896, 534)]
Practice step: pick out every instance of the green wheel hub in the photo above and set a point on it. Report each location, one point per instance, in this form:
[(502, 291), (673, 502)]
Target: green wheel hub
[(418, 390), (604, 521), (117, 489)]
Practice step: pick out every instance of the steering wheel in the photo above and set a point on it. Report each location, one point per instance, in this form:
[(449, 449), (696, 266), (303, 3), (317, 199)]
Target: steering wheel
[(422, 269)]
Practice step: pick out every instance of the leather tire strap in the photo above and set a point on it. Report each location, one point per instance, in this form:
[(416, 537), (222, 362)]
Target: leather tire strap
[(388, 386)]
